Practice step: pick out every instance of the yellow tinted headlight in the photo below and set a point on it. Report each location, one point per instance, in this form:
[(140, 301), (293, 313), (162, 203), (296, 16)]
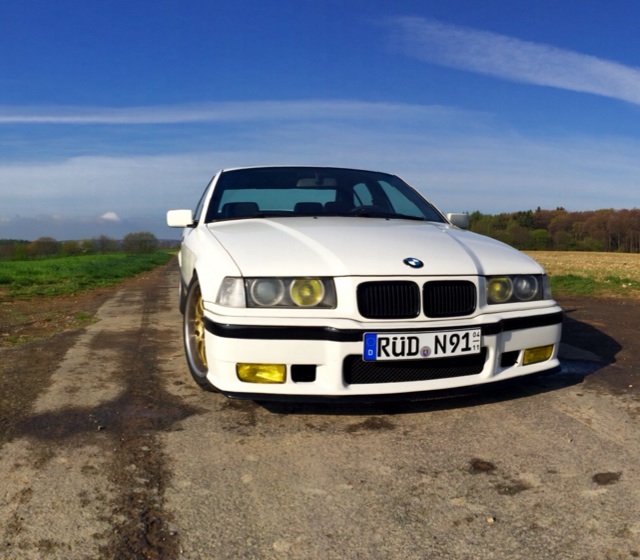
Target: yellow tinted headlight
[(288, 292), (307, 292), (519, 288), (499, 289)]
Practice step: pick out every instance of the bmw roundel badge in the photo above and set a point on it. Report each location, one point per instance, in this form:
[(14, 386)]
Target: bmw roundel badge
[(413, 263)]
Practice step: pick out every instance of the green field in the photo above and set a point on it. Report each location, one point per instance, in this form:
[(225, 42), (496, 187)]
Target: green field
[(70, 275)]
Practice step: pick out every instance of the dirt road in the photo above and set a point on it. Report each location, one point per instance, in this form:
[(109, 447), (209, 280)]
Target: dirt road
[(108, 450)]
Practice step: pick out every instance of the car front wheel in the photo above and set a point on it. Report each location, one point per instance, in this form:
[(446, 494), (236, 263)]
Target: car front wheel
[(194, 333)]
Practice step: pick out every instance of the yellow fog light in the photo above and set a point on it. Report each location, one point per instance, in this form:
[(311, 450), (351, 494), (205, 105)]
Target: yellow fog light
[(262, 373), (307, 292), (535, 355)]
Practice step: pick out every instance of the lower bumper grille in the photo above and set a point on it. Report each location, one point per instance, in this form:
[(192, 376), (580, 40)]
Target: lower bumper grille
[(358, 372)]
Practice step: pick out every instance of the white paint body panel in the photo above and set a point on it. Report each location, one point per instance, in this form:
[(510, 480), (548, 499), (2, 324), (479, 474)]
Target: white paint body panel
[(338, 246)]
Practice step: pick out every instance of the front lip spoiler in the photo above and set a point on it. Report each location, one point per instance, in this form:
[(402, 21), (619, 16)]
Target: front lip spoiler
[(419, 396), (271, 332)]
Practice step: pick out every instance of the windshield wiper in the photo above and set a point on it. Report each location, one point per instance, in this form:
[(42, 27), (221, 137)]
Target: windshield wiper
[(366, 213), (407, 217)]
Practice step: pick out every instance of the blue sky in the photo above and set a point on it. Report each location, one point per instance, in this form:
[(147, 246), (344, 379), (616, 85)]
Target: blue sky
[(112, 112)]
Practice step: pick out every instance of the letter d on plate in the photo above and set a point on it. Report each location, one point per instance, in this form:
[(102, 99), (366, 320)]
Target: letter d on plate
[(370, 347)]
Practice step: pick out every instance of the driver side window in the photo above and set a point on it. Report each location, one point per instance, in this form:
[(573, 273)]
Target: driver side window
[(399, 202), (362, 195)]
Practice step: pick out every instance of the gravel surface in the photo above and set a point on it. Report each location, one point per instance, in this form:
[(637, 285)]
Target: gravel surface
[(109, 450)]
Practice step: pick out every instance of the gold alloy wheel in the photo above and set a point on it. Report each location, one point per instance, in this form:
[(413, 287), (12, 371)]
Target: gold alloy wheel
[(198, 328), (195, 336)]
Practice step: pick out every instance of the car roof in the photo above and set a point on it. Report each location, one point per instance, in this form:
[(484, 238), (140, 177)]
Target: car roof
[(305, 166)]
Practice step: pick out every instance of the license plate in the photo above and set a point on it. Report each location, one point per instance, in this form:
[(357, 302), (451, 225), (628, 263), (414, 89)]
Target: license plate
[(420, 346)]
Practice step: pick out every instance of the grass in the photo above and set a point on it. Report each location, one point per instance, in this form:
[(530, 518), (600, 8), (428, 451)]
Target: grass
[(70, 275), (591, 274)]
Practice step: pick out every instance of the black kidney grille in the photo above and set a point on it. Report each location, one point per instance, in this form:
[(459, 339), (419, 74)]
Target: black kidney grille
[(389, 300), (448, 298), (358, 372)]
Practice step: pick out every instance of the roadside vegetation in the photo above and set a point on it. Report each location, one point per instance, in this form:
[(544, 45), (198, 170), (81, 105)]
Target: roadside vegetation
[(46, 267), (47, 286), (70, 275), (591, 273)]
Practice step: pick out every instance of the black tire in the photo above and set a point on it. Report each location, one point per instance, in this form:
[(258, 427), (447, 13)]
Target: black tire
[(194, 335)]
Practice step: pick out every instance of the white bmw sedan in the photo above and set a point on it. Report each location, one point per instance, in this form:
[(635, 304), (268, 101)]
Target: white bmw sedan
[(320, 283)]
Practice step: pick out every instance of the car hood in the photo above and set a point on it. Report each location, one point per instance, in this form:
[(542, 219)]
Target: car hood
[(336, 246)]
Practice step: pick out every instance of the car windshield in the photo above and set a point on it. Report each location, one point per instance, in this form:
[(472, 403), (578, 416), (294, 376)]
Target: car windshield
[(315, 191)]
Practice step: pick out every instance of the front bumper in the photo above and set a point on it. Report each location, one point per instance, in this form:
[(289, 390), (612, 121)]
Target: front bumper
[(324, 362)]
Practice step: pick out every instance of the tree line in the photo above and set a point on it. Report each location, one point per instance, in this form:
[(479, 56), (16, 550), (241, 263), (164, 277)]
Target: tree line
[(43, 247), (559, 230), (540, 230)]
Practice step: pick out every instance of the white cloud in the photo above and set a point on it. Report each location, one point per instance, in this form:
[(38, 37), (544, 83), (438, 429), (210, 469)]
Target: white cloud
[(514, 59), (221, 112), (110, 217), (460, 159)]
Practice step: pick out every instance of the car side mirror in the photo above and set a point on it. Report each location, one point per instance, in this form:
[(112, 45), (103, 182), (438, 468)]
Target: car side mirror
[(180, 218), (459, 220)]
